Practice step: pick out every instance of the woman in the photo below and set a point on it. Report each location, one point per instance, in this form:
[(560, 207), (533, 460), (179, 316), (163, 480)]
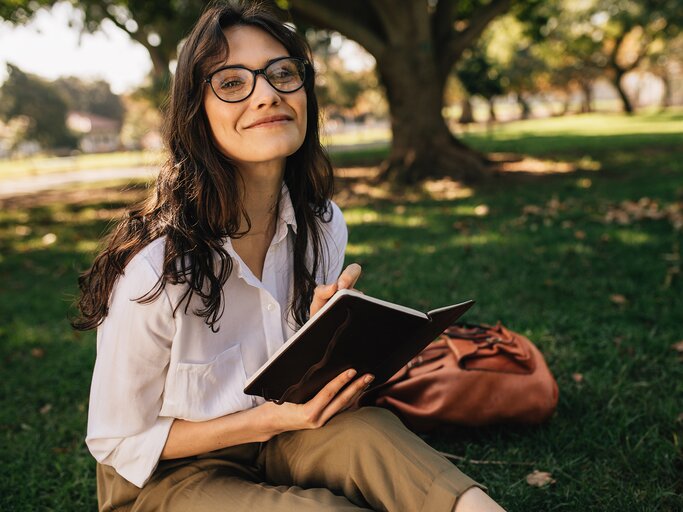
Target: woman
[(204, 281)]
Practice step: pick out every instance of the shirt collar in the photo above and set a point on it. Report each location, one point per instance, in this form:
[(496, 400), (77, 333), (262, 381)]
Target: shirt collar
[(286, 218), (286, 208)]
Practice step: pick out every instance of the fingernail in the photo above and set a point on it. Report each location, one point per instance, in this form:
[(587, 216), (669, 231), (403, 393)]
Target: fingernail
[(351, 373), (368, 379)]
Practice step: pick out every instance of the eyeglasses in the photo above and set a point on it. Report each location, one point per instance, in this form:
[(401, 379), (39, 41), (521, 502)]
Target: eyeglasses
[(236, 83)]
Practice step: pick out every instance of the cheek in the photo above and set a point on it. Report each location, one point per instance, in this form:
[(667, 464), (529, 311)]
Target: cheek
[(302, 114)]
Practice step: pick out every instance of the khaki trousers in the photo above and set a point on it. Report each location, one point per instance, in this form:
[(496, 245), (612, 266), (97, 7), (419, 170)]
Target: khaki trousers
[(360, 460)]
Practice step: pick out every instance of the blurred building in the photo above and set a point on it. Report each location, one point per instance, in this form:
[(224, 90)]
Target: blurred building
[(96, 134)]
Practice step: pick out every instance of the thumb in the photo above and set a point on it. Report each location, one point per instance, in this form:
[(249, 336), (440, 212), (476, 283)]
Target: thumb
[(321, 295)]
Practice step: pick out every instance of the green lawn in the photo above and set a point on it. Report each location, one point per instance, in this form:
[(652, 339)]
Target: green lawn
[(603, 300)]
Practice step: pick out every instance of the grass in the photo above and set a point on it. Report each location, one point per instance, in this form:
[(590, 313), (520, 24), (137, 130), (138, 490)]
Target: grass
[(38, 165), (600, 299)]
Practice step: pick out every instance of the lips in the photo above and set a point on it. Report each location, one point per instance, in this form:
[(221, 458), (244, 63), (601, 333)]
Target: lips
[(269, 119)]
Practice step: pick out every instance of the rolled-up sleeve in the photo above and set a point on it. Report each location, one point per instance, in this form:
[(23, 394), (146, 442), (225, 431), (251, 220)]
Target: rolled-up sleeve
[(125, 430)]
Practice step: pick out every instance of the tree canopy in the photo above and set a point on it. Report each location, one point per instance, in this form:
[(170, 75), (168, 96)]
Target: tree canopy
[(34, 100), (415, 44)]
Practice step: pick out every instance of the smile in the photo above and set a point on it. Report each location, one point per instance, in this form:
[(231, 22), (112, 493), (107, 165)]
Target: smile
[(270, 122)]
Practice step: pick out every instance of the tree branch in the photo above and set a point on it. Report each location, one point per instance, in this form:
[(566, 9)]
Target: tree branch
[(342, 19), (450, 52), (393, 19)]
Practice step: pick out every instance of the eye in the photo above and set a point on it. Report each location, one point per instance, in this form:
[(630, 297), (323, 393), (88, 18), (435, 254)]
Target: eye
[(282, 74), (230, 83)]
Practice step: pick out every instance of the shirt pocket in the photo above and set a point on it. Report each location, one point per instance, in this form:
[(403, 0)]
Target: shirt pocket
[(203, 391)]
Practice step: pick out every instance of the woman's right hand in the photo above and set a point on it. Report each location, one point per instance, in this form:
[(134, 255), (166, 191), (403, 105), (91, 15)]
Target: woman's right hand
[(329, 401)]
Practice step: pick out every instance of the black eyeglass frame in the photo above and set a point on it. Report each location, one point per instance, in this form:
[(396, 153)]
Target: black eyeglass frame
[(255, 73)]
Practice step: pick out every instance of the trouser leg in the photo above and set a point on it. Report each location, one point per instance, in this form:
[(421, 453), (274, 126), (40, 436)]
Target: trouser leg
[(370, 457), (223, 481)]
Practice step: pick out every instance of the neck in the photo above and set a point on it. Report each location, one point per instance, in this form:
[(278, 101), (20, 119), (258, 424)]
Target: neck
[(262, 184)]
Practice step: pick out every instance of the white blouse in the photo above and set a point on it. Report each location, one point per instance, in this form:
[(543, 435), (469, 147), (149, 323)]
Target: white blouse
[(152, 367)]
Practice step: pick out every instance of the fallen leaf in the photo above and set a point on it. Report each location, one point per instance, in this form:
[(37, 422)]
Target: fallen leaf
[(49, 239), (22, 230), (37, 352), (481, 210), (580, 235), (679, 418), (617, 298), (539, 478), (578, 377), (45, 409), (531, 209), (678, 346)]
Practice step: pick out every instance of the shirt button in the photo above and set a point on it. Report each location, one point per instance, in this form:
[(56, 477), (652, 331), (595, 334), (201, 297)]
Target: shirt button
[(270, 307)]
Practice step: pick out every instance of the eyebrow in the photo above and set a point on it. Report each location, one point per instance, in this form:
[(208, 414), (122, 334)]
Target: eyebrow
[(268, 62)]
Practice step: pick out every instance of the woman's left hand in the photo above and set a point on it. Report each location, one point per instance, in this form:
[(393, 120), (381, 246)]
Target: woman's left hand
[(324, 292)]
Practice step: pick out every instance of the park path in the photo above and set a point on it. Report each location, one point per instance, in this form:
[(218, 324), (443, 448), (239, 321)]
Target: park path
[(14, 187)]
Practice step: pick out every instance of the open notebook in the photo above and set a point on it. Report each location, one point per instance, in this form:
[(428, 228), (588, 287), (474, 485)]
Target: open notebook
[(352, 330)]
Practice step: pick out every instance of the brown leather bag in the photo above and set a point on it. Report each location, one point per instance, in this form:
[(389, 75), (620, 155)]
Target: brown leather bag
[(471, 375)]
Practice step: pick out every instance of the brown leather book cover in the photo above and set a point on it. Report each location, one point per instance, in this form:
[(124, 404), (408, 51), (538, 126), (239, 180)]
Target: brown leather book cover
[(352, 330)]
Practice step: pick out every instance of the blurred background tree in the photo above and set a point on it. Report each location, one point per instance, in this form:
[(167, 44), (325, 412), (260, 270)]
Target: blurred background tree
[(94, 97), (40, 108)]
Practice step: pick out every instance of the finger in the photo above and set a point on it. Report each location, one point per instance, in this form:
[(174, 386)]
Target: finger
[(349, 277), (354, 403), (321, 295), (323, 398), (346, 397)]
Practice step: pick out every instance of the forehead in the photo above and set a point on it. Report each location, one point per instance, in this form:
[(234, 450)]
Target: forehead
[(252, 46)]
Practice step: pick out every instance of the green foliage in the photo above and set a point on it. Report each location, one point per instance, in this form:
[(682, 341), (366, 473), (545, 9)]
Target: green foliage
[(34, 99), (479, 75), (94, 97)]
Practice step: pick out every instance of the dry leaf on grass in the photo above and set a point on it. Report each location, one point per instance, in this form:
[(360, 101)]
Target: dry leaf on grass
[(580, 235), (540, 478), (578, 377), (45, 409), (618, 298), (49, 239), (37, 352), (678, 346), (627, 212), (481, 210)]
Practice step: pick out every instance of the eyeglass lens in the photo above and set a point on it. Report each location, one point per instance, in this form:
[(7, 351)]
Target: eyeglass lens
[(235, 84)]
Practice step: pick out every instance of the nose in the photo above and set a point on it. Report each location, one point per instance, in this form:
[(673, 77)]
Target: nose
[(264, 93)]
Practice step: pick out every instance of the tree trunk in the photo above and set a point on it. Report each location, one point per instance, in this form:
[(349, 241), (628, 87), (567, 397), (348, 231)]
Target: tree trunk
[(667, 95), (565, 103), (587, 102), (626, 102), (466, 115), (526, 109), (492, 110), (422, 145)]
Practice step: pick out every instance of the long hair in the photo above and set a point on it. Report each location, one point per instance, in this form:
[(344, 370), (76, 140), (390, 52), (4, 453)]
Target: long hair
[(196, 201)]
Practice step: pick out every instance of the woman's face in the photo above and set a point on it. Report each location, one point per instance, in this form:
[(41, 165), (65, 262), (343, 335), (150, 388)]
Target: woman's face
[(237, 127)]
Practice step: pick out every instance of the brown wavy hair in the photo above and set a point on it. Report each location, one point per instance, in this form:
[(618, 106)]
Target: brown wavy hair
[(196, 201)]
